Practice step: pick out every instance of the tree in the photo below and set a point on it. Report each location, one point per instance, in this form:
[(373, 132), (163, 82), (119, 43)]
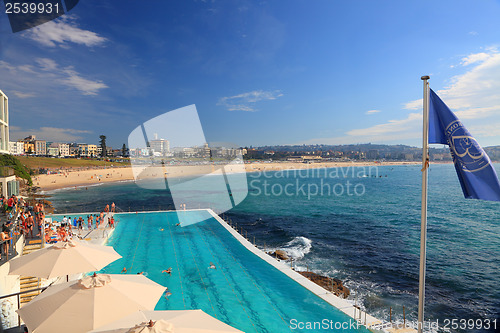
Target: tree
[(102, 143), (124, 150)]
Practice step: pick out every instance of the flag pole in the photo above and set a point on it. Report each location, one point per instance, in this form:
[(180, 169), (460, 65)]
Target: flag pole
[(423, 225)]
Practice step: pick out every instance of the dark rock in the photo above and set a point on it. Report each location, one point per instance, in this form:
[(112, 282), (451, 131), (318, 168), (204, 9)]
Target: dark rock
[(280, 254), (333, 285)]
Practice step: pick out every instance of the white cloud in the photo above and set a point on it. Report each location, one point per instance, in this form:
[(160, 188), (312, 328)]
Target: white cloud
[(20, 94), (473, 58), (46, 64), (46, 71), (486, 130), (372, 111), (62, 31), (474, 94), (87, 87), (399, 130), (48, 133), (414, 105), (393, 126), (246, 101)]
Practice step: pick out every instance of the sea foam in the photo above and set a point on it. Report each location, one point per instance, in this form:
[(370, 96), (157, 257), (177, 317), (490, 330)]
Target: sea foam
[(298, 247)]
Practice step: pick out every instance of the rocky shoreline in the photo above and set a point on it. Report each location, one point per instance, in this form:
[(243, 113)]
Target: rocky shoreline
[(331, 284)]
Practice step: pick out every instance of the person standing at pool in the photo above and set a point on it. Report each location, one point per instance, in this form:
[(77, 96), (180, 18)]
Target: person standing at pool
[(4, 239), (29, 223), (113, 207)]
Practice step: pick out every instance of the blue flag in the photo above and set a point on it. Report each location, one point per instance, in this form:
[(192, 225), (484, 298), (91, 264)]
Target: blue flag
[(474, 169)]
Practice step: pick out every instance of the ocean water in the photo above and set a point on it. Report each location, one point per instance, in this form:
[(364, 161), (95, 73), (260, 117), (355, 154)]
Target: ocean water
[(362, 225)]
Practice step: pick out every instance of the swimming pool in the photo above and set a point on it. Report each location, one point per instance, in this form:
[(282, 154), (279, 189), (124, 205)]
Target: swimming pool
[(243, 291)]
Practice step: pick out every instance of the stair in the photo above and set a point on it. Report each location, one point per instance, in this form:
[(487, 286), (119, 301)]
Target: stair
[(29, 282)]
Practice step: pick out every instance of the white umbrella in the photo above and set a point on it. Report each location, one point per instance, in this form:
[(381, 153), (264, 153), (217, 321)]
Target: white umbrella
[(83, 305), (182, 321), (63, 258)]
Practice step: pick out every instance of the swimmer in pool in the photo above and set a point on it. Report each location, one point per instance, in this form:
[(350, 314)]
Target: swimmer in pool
[(169, 271), (212, 266), (124, 270)]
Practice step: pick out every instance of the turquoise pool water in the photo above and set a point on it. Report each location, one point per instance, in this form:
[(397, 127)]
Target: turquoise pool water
[(243, 291)]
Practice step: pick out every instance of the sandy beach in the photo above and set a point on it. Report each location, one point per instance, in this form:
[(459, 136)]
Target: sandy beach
[(78, 177)]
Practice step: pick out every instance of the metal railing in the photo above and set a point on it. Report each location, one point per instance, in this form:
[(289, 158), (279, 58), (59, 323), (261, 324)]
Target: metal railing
[(15, 234), (18, 296)]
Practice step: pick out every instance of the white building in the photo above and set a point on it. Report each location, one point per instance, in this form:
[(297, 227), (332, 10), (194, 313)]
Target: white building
[(8, 183), (160, 146), (4, 123), (63, 149), (40, 147), (16, 148)]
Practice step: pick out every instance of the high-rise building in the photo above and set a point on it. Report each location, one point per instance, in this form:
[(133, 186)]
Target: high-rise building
[(4, 123), (160, 146)]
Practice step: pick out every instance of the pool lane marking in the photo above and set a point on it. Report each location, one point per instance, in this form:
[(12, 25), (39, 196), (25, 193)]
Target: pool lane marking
[(199, 273), (251, 279), (176, 261), (227, 280), (137, 243)]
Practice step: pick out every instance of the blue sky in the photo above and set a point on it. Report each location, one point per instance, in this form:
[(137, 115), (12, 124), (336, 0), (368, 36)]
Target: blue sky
[(259, 72)]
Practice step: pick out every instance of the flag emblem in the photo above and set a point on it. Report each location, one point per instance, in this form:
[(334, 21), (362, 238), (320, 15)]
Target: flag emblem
[(471, 157)]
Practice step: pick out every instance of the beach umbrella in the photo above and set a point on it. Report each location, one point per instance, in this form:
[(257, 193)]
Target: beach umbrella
[(182, 321), (63, 258), (94, 301)]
